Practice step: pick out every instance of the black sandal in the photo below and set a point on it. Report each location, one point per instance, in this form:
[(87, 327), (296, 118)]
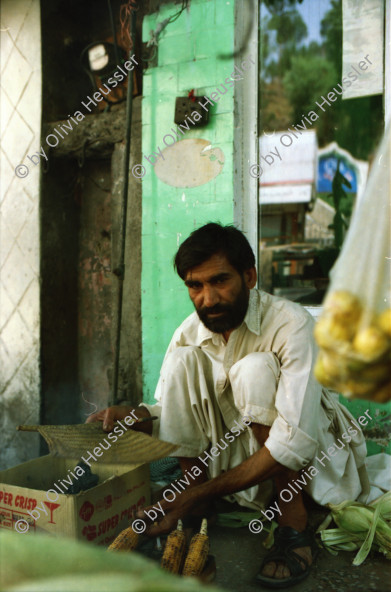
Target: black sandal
[(286, 539)]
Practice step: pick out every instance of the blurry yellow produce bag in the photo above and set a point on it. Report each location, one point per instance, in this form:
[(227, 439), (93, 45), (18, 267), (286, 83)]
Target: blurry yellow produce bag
[(354, 331)]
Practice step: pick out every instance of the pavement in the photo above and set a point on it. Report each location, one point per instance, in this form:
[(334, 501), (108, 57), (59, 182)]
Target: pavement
[(239, 553)]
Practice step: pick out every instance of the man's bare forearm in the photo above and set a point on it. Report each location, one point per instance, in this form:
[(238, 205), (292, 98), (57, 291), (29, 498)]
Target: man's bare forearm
[(255, 469), (258, 467)]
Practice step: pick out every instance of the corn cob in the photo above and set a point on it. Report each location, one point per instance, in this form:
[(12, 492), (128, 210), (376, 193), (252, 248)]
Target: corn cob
[(360, 527), (127, 540), (198, 552), (355, 517), (174, 551)]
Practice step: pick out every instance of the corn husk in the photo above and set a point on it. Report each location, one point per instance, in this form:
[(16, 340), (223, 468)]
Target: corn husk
[(367, 544), (360, 526), (384, 501), (269, 541)]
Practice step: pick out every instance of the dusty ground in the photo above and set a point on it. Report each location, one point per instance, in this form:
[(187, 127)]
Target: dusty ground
[(239, 556), (239, 553)]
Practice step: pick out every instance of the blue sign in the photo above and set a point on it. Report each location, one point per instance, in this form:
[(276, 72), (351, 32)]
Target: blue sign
[(327, 166)]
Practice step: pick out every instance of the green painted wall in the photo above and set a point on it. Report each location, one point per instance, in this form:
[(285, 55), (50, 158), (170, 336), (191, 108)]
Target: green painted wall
[(187, 59)]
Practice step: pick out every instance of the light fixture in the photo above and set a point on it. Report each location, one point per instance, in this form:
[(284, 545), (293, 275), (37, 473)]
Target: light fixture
[(101, 58), (98, 57)]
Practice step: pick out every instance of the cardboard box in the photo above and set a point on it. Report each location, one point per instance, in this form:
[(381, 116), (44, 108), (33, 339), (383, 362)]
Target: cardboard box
[(95, 515)]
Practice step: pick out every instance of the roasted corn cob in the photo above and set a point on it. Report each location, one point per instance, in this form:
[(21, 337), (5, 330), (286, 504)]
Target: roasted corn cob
[(174, 551), (198, 552), (127, 540)]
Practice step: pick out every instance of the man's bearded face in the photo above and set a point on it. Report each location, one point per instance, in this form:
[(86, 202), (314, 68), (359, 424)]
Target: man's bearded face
[(220, 293), (221, 318)]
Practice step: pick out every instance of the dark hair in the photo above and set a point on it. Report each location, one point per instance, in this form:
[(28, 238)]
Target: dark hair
[(209, 240)]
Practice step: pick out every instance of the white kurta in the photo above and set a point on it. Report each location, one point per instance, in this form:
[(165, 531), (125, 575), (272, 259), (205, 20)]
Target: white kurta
[(265, 370)]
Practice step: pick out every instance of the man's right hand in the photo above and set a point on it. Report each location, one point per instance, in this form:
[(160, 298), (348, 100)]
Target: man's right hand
[(117, 412)]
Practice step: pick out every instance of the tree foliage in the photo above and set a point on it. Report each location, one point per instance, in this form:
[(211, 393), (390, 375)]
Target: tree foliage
[(285, 33), (331, 31), (295, 74), (279, 6), (290, 28), (308, 79)]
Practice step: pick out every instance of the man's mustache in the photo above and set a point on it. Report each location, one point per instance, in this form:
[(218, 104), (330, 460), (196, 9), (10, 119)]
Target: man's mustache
[(205, 310)]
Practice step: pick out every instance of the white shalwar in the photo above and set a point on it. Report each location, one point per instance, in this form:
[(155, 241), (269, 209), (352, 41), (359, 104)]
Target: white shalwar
[(264, 371)]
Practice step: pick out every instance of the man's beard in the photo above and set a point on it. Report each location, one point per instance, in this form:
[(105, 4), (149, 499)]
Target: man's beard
[(233, 314)]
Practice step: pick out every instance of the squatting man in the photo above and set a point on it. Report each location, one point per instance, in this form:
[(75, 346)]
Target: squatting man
[(246, 353)]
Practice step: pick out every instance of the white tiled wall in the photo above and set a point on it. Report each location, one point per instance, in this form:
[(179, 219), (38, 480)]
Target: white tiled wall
[(20, 109)]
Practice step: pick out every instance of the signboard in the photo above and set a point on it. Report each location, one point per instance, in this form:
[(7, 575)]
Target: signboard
[(355, 171), (363, 35), (282, 194), (288, 167), (327, 166)]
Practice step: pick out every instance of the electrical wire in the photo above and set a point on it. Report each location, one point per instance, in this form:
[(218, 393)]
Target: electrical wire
[(122, 229), (154, 35), (125, 14), (114, 31), (176, 16)]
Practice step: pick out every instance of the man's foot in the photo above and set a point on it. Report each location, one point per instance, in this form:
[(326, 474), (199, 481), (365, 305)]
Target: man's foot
[(289, 560), (281, 570)]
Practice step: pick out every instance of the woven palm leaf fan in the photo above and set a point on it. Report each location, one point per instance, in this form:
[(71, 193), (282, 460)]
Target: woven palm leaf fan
[(74, 441)]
